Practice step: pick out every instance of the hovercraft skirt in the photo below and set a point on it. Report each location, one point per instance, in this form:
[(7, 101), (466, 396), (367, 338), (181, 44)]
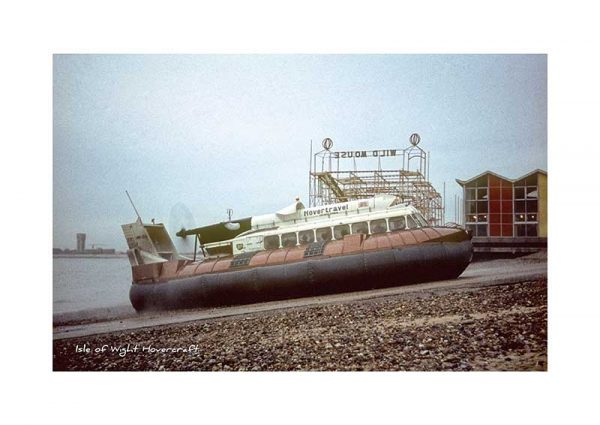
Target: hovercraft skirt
[(309, 277)]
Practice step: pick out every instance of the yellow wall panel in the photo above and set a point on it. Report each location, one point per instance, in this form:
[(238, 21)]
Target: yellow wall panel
[(543, 205)]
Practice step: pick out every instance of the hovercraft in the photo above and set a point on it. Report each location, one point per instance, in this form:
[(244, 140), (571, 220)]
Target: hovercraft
[(296, 252)]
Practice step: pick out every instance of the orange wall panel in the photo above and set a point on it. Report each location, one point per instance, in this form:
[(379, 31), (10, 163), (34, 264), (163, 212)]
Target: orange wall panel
[(495, 230), (507, 230)]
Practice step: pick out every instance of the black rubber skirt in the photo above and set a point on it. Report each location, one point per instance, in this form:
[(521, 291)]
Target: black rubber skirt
[(315, 276)]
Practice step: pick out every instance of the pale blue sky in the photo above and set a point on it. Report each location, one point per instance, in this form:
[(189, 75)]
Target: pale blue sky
[(219, 131)]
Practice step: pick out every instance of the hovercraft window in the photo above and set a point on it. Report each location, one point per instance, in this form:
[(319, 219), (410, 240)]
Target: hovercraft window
[(411, 223), (220, 250), (289, 240), (306, 236), (324, 234), (340, 231), (378, 226), (271, 242), (361, 227), (397, 223)]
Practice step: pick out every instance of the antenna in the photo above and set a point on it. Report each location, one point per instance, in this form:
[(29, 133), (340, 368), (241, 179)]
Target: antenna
[(310, 188), (133, 205), (231, 225)]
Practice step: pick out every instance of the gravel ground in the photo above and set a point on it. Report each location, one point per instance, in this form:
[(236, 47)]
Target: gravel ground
[(494, 328)]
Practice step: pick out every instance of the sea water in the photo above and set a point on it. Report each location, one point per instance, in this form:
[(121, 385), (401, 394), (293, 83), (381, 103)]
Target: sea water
[(83, 284)]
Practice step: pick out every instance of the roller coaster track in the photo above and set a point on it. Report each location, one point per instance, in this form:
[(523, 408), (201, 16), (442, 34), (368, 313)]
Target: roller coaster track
[(329, 181)]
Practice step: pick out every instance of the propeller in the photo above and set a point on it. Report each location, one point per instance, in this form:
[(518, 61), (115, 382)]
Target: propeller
[(181, 218)]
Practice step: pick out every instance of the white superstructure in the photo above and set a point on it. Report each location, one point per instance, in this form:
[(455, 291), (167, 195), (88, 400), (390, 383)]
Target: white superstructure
[(296, 225)]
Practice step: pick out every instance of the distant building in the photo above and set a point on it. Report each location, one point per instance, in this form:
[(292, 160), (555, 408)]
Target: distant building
[(80, 242), (82, 250), (96, 251), (499, 207)]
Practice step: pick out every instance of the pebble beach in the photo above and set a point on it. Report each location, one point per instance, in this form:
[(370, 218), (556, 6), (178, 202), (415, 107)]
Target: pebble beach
[(498, 328)]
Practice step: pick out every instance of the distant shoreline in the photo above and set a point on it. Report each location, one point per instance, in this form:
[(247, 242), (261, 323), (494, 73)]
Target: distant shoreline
[(89, 255)]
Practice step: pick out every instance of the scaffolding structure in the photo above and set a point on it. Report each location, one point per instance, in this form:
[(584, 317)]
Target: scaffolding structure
[(334, 177)]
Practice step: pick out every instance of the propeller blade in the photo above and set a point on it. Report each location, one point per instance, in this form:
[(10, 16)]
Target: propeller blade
[(181, 218)]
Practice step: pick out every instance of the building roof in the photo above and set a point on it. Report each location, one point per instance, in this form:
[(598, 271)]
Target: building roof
[(536, 171)]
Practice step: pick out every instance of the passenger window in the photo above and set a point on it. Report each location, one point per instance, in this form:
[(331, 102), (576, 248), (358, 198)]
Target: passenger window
[(219, 250), (340, 231), (271, 242), (397, 223), (306, 236), (324, 234), (378, 226), (410, 222), (360, 228), (289, 240)]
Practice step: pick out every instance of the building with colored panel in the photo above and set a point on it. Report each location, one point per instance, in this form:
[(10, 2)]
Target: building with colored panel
[(499, 207)]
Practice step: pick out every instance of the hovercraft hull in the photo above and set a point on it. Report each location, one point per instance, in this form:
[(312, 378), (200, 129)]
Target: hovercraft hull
[(171, 286)]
